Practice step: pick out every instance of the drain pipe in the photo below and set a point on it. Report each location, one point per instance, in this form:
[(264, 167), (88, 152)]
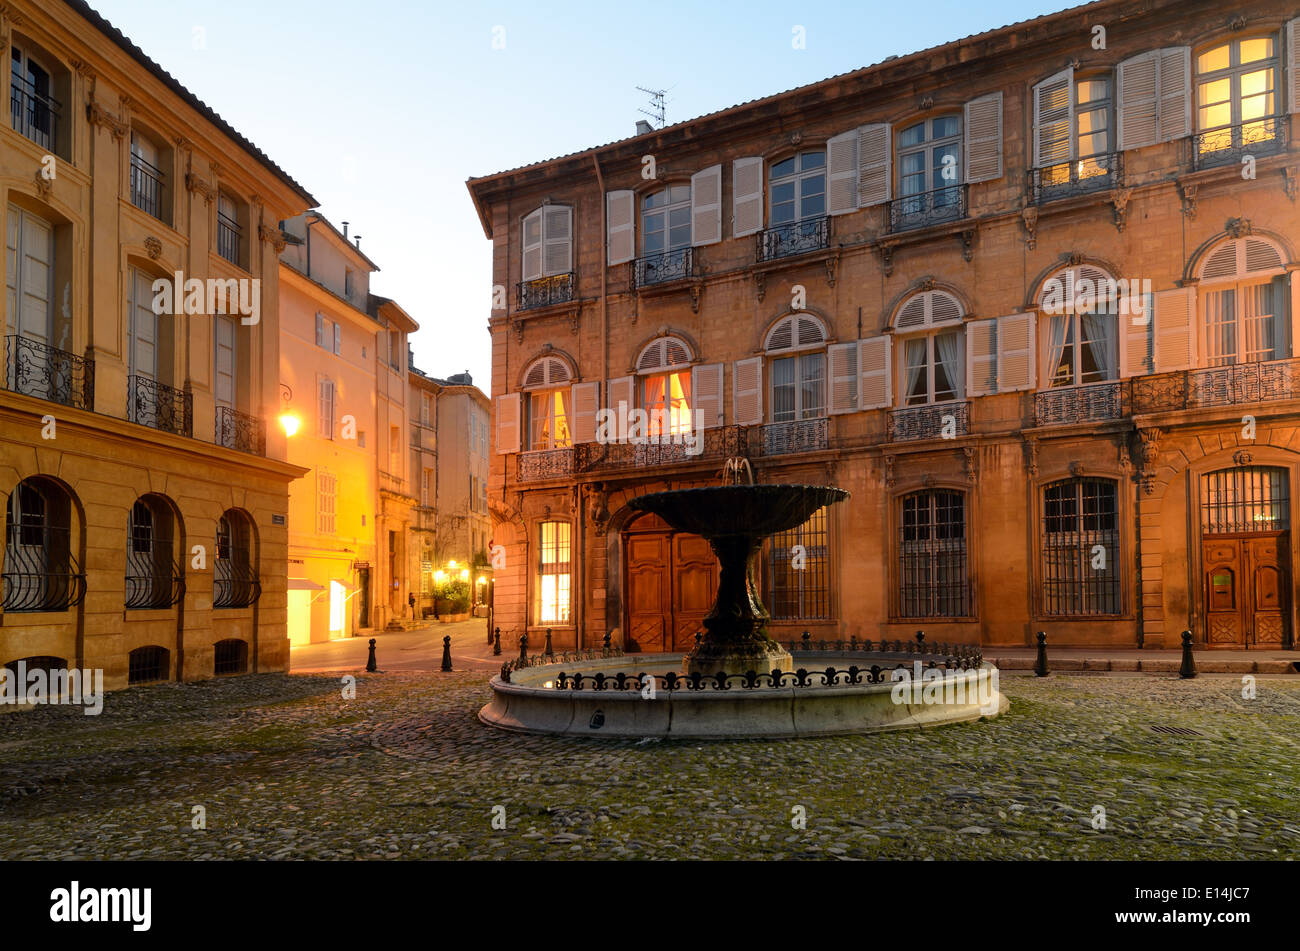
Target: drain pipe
[(604, 375)]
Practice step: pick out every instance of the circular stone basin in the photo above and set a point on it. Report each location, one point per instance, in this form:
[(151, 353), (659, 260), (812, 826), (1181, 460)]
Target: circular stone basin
[(534, 702)]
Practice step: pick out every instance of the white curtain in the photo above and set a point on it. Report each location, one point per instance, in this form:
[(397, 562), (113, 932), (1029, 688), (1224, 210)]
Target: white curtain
[(915, 364), (1099, 330), (1056, 330), (949, 352)]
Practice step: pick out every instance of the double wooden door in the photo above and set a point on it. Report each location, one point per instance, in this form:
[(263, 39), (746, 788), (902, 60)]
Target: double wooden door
[(1246, 582), (671, 579)]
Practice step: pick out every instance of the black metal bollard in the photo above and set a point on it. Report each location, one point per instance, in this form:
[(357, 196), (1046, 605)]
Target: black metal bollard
[(548, 651), (446, 652), (1188, 670), (920, 640), (371, 666), (1040, 665), (807, 641), (608, 635), (496, 643), (523, 649)]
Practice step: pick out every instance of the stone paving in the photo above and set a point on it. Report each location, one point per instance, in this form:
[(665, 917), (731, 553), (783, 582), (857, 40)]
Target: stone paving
[(285, 768)]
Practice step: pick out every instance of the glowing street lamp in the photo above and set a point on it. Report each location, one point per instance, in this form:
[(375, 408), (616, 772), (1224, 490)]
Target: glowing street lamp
[(290, 423)]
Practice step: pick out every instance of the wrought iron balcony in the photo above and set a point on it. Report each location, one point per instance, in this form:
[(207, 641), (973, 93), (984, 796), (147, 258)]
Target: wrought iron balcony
[(717, 443), (146, 186), (909, 212), (798, 237), (544, 464), (800, 435), (236, 430), (234, 586), (1227, 145), (40, 573), (544, 291), (34, 115), (1076, 177), (936, 421), (37, 369), (151, 582), (160, 406), (1079, 404), (229, 237), (662, 267), (1230, 385)]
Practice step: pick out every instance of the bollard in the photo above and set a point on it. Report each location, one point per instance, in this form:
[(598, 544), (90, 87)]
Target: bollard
[(1188, 670), (608, 635), (807, 641), (446, 652), (1040, 665), (523, 649), (548, 651), (496, 643), (920, 640), (371, 666)]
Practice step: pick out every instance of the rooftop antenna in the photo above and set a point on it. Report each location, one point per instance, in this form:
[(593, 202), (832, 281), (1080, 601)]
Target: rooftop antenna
[(658, 104)]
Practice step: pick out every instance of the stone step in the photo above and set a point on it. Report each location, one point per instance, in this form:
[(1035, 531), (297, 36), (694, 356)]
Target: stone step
[(1205, 664)]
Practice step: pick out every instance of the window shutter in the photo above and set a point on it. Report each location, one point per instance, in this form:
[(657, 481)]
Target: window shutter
[(984, 138), (532, 245), (706, 206), (1136, 85), (557, 237), (325, 406), (1054, 119), (1016, 352), (1175, 93), (875, 383), (1175, 332), (843, 359), (320, 330), (842, 173), (586, 401), (706, 395), (981, 357), (747, 391), (1135, 340), (508, 423), (338, 339), (1293, 63), (621, 398), (874, 149), (746, 196), (620, 220)]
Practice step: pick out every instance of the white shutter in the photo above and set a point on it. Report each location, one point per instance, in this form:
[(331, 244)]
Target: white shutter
[(532, 246), (1175, 93), (586, 401), (143, 328), (338, 339), (320, 330), (842, 173), (12, 222), (1016, 347), (223, 359), (1293, 63), (746, 196), (875, 381), (706, 206), (982, 357), (843, 359), (508, 423), (706, 395), (747, 391), (1054, 119), (984, 138), (557, 239), (1175, 332), (36, 264), (1135, 340), (325, 409), (874, 177), (621, 398), (1136, 85), (620, 207)]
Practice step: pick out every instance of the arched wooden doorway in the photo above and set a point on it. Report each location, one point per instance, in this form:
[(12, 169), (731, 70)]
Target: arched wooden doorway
[(671, 579)]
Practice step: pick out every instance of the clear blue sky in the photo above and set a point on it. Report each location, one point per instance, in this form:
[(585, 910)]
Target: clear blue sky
[(383, 109)]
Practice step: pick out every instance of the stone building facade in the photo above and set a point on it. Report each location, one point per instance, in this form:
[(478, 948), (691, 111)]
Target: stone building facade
[(1030, 296)]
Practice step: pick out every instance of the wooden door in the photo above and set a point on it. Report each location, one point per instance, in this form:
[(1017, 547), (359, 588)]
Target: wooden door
[(672, 580), (1246, 581), (648, 605), (1269, 582), (695, 585)]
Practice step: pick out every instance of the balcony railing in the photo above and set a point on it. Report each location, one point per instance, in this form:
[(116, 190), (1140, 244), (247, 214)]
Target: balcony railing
[(1230, 385), (937, 421), (661, 267), (928, 208), (799, 237), (234, 586), (544, 291), (160, 406), (229, 236), (544, 464), (1076, 177), (716, 443), (146, 186), (236, 430), (801, 435), (1227, 145), (151, 583), (1079, 404), (34, 115), (37, 369)]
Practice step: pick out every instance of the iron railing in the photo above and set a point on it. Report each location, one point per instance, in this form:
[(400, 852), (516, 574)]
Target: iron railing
[(940, 420), (928, 208), (234, 586), (544, 464), (798, 237), (710, 444), (1079, 404), (229, 237), (1228, 144), (43, 576), (151, 581), (236, 430), (1229, 385), (800, 435), (1076, 177), (160, 406), (543, 291), (34, 115), (37, 369), (146, 186), (662, 267)]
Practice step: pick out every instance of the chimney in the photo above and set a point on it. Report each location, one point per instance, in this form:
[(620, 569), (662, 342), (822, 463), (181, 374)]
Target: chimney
[(357, 239), (642, 127), (345, 230)]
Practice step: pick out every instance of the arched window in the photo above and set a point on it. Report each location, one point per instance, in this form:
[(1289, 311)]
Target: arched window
[(796, 347), (932, 574), (546, 389), (148, 664), (235, 582), (1237, 105), (665, 381), (1079, 307), (230, 657), (154, 576), (929, 173), (1080, 547), (1242, 293), (932, 348), (40, 570)]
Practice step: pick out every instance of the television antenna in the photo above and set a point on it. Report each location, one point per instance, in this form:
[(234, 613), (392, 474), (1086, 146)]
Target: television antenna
[(658, 104)]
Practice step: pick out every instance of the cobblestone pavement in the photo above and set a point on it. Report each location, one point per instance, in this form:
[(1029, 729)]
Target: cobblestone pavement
[(286, 769)]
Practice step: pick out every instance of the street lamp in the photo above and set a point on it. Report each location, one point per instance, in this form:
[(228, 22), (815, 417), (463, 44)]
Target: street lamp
[(290, 423)]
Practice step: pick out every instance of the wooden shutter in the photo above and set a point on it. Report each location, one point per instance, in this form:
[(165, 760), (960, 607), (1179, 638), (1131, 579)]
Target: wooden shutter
[(507, 423), (1137, 103), (706, 395), (1016, 347), (143, 328), (13, 221), (842, 173), (621, 398), (746, 196), (338, 339), (325, 409), (223, 361), (1135, 340), (1054, 107), (706, 206), (982, 357), (875, 380), (620, 220), (874, 177), (1175, 331), (984, 138), (747, 391), (586, 401), (36, 266), (532, 246), (1293, 63), (843, 359), (557, 239), (320, 329), (1175, 93)]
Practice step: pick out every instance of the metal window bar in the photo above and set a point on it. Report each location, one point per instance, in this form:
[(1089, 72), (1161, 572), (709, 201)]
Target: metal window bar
[(799, 593), (798, 237), (234, 585), (40, 571), (240, 431), (933, 577), (146, 185), (229, 657), (154, 579), (1227, 144), (34, 115), (662, 267), (1076, 177), (229, 236), (1244, 500), (48, 373), (1078, 516), (543, 291), (928, 208), (160, 406), (148, 664)]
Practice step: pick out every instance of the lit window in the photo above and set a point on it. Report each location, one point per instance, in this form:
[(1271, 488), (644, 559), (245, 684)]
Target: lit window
[(549, 419), (554, 577), (1236, 95), (326, 488), (666, 398)]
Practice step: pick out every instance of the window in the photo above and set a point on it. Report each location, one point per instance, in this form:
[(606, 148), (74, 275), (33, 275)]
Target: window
[(1081, 548), (1243, 293), (35, 111), (798, 387), (933, 368), (666, 220), (1081, 348), (325, 409), (147, 178), (235, 582), (1074, 124), (148, 664), (666, 398), (361, 439), (153, 578), (40, 572), (326, 488), (395, 349), (426, 488), (797, 581), (929, 171), (797, 188), (29, 278), (395, 450), (1236, 95), (349, 279), (547, 242), (229, 657), (1244, 499), (548, 419), (932, 556), (329, 334), (553, 576), (230, 233)]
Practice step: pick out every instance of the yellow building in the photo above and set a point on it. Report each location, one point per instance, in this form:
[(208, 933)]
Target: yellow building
[(145, 496)]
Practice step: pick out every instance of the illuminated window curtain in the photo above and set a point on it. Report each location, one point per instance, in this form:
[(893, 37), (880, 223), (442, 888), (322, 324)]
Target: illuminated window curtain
[(812, 385), (1259, 324), (949, 357), (681, 402), (554, 577), (667, 399), (550, 419), (1221, 327), (916, 383), (1059, 357), (1099, 343)]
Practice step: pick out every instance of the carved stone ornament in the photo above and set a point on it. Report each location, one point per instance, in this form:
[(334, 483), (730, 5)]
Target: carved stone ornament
[(98, 115), (889, 472), (272, 236), (927, 102), (1239, 227), (760, 284), (1120, 199), (1031, 456), (205, 190), (1243, 457), (43, 184), (1150, 451), (796, 139), (1029, 217), (887, 256), (153, 247), (518, 326), (1076, 469), (970, 462), (968, 244), (1189, 199), (1291, 181), (697, 291)]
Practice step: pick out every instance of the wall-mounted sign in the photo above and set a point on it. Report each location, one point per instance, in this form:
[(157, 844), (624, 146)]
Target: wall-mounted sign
[(277, 519)]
